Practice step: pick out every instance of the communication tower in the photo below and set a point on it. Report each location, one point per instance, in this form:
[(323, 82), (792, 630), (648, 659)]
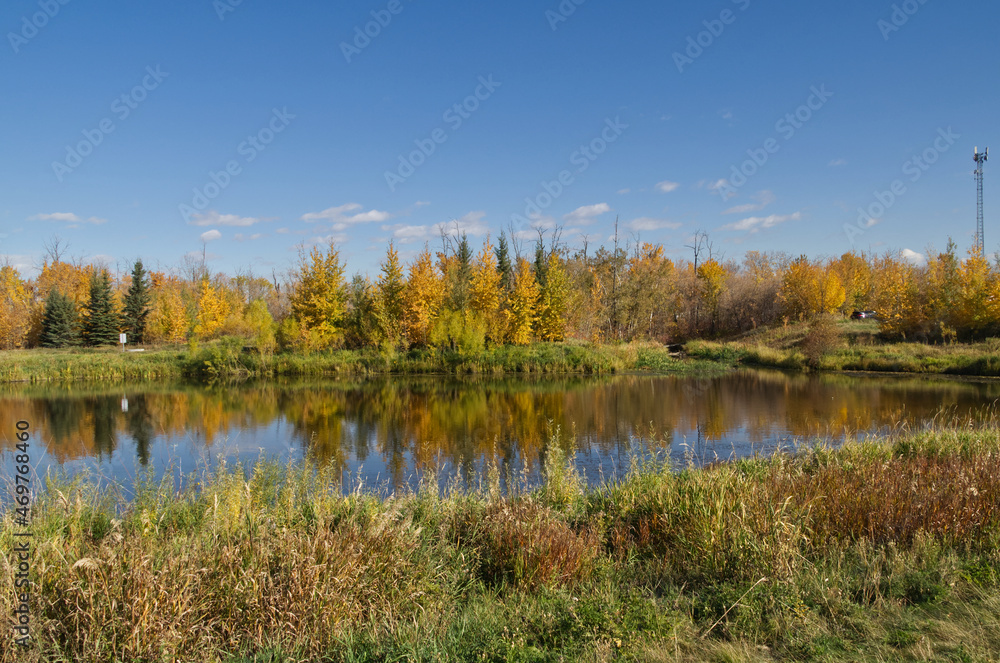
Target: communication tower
[(980, 159)]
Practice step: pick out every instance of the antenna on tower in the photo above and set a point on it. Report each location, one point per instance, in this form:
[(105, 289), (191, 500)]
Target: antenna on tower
[(980, 159)]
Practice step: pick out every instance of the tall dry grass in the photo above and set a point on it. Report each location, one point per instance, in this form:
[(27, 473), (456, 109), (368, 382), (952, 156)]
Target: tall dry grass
[(829, 546)]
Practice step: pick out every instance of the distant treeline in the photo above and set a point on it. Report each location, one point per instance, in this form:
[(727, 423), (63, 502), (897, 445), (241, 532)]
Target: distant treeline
[(463, 299)]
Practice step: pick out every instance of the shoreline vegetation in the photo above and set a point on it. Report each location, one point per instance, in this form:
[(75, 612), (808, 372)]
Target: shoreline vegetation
[(457, 310), (833, 345), (884, 549), (825, 345), (229, 359)]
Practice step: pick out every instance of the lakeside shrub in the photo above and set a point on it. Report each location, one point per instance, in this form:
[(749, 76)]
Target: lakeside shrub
[(822, 338)]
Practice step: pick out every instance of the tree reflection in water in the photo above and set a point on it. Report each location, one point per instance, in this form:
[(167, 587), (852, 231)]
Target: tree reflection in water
[(399, 427)]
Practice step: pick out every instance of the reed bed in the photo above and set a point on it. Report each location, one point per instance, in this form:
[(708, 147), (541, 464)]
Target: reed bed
[(885, 549)]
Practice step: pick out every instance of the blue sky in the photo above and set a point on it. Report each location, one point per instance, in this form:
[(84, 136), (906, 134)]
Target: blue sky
[(157, 128)]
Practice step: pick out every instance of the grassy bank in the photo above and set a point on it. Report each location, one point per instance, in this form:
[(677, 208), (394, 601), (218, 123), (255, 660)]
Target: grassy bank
[(884, 550), (852, 346), (227, 360)]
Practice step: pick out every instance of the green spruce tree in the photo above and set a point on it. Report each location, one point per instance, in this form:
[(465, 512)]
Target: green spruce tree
[(101, 324), (503, 263), (136, 305), (59, 324), (460, 287), (390, 305)]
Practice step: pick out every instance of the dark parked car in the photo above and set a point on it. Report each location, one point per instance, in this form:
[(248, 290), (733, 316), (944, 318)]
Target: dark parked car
[(863, 315)]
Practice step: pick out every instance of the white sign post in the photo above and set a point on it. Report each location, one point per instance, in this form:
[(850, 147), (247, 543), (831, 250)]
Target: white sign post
[(121, 339)]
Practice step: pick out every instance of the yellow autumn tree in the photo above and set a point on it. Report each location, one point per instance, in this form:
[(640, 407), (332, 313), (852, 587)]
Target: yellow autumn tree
[(553, 300), (796, 288), (894, 294), (168, 320), (486, 292), (594, 305), (69, 279), (712, 276), (942, 301), (213, 311), (261, 326), (977, 294), (808, 289), (856, 278), (318, 301), (830, 292), (649, 292), (170, 317), (521, 307), (15, 309), (422, 296)]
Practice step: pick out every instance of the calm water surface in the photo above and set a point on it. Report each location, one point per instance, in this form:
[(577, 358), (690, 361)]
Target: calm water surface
[(386, 431)]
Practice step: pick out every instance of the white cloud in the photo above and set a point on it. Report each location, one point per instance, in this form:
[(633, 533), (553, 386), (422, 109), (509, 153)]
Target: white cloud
[(372, 216), (913, 257), (667, 186), (756, 223), (838, 162), (339, 215), (211, 235), (543, 221), (282, 231), (743, 209), (331, 212), (21, 262), (67, 217), (713, 185), (213, 218), (326, 240), (57, 216), (622, 192), (587, 213), (764, 198), (470, 224), (240, 237), (407, 234), (422, 203), (647, 224)]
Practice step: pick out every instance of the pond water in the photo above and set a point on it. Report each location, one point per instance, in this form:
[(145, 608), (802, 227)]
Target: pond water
[(386, 431)]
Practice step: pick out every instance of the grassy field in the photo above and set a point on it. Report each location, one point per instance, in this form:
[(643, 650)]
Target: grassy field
[(850, 346), (228, 360), (884, 550)]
